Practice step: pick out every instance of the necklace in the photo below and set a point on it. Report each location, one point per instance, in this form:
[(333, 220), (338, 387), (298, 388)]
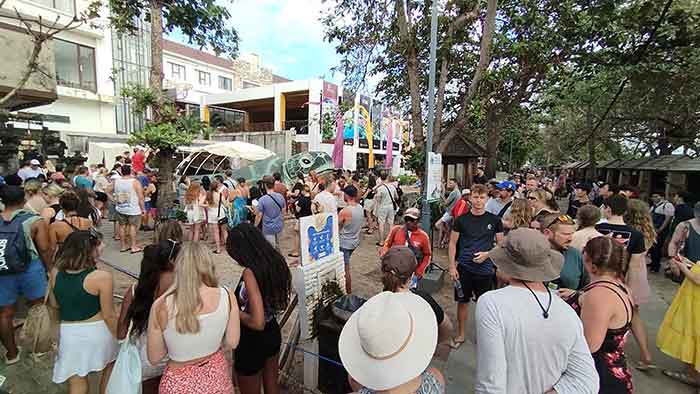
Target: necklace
[(545, 312)]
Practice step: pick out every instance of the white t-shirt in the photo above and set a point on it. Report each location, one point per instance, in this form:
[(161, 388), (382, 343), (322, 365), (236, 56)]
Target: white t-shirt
[(327, 202), (28, 173), (663, 208), (519, 351)]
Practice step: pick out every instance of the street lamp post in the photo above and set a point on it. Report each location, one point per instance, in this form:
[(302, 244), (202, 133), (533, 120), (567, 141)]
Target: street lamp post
[(425, 214)]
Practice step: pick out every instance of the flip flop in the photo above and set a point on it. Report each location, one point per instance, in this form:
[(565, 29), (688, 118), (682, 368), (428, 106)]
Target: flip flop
[(644, 366), (217, 252), (124, 250), (681, 377), (292, 255), (16, 359), (454, 344), (136, 251)]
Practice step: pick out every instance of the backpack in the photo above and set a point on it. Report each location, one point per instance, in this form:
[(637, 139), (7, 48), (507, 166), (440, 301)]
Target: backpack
[(14, 252)]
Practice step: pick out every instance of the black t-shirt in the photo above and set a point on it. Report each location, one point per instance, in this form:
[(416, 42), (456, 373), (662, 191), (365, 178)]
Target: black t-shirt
[(630, 238), (304, 204), (574, 206), (476, 234), (298, 186), (437, 309)]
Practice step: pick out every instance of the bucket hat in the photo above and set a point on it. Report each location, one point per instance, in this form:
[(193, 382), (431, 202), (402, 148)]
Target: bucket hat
[(388, 341), (527, 255)]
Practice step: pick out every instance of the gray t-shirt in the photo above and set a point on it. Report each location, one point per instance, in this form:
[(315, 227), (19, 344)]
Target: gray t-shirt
[(519, 351), (452, 199), (272, 211)]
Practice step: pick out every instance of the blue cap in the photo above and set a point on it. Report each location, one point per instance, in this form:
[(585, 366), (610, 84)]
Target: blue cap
[(506, 185)]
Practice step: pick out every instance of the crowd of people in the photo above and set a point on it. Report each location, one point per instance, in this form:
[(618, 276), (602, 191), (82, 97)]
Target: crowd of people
[(557, 287)]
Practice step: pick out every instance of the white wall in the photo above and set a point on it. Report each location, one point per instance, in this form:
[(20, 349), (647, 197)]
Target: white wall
[(86, 116), (197, 91)]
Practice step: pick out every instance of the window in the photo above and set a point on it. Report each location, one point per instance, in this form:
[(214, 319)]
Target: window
[(61, 5), (204, 78), (225, 83), (177, 72), (246, 85), (75, 65)]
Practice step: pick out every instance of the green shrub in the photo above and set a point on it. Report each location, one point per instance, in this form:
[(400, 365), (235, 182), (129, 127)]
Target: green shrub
[(407, 179)]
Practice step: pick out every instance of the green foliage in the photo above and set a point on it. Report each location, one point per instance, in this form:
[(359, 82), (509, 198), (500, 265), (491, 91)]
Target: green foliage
[(141, 97), (414, 160), (407, 179), (203, 22), (165, 136)]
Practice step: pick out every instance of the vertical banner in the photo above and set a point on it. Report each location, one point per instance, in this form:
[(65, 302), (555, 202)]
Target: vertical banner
[(376, 115), (349, 127), (339, 143), (365, 127), (329, 109), (390, 145)]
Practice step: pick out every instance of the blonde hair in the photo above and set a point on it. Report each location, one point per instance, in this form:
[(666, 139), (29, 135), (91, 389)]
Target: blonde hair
[(194, 268), (32, 187), (639, 218), (53, 190), (193, 191), (520, 213), (541, 195)]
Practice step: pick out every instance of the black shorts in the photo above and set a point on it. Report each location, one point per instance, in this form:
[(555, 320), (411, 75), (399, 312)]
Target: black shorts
[(473, 285), (255, 347)]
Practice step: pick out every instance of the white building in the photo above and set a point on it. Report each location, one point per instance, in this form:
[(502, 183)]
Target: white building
[(92, 65), (83, 67)]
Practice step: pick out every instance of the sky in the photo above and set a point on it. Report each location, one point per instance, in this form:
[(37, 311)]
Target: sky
[(287, 35)]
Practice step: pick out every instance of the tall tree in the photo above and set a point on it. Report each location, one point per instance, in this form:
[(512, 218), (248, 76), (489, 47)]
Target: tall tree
[(205, 24)]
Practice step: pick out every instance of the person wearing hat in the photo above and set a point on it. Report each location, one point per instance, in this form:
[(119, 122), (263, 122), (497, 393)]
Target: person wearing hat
[(500, 205), (388, 343), (462, 207), (350, 222), (411, 235), (528, 339), (31, 170), (398, 270), (580, 198)]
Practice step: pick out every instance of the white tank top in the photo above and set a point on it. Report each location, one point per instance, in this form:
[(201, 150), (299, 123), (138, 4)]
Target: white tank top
[(127, 199), (212, 327)]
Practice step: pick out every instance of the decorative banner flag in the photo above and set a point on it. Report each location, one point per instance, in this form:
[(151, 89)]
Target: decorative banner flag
[(338, 144), (390, 145)]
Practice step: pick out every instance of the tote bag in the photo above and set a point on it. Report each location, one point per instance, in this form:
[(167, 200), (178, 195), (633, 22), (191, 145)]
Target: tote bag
[(126, 374)]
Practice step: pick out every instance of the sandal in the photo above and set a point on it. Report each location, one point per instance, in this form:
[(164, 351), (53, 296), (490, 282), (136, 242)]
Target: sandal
[(644, 366), (292, 255), (139, 250), (681, 377), (14, 360), (455, 344), (123, 250)]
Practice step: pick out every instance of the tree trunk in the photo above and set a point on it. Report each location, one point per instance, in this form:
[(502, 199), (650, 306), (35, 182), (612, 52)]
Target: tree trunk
[(156, 77), (493, 138), (166, 180), (592, 141), (408, 40)]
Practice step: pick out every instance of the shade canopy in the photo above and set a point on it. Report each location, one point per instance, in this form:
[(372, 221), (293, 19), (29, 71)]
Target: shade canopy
[(237, 149)]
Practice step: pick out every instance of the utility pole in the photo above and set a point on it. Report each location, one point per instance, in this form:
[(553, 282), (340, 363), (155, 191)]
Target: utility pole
[(425, 214)]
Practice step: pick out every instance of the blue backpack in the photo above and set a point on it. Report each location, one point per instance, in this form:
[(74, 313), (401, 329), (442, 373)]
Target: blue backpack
[(14, 251)]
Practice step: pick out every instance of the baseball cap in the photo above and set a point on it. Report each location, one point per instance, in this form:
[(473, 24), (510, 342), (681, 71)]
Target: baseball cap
[(412, 213), (583, 186), (506, 185), (34, 162), (351, 191), (400, 261), (466, 191)]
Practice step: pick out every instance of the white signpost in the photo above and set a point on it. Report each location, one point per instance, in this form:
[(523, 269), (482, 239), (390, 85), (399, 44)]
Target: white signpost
[(434, 178), (321, 261)]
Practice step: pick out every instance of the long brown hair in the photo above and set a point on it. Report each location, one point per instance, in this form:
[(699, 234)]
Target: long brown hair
[(193, 191), (78, 251), (639, 218), (520, 213), (194, 268)]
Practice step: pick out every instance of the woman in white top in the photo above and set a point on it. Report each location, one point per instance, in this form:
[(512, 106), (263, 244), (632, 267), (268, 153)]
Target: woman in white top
[(216, 206), (192, 324), (195, 198), (586, 218)]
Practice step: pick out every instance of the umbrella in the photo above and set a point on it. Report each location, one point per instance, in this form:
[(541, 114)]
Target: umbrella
[(237, 149)]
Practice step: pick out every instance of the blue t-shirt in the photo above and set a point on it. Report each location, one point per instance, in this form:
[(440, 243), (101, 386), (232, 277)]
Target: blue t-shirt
[(143, 180), (476, 234), (272, 205), (83, 182)]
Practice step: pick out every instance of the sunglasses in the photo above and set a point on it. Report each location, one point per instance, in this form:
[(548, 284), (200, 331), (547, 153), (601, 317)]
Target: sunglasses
[(410, 219), (564, 219), (532, 198)]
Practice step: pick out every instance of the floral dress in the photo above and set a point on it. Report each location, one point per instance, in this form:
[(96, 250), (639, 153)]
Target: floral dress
[(610, 360)]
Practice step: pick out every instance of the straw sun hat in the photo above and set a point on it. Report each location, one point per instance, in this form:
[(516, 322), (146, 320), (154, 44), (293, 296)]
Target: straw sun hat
[(389, 340)]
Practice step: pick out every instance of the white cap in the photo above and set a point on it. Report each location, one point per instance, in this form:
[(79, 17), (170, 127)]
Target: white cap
[(34, 162)]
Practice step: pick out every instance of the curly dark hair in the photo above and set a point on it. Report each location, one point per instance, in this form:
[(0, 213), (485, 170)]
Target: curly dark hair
[(157, 258), (250, 249)]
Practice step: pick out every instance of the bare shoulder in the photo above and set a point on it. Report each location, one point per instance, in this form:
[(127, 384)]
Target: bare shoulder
[(438, 375), (100, 276)]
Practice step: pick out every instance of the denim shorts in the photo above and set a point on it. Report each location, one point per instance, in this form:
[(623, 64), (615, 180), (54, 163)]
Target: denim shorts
[(31, 284), (346, 255)]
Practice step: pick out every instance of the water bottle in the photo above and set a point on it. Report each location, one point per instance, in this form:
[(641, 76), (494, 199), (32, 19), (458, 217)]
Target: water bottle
[(458, 288), (414, 282)]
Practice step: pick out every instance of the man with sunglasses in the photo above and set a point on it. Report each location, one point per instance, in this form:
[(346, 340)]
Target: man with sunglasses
[(412, 236), (559, 230)]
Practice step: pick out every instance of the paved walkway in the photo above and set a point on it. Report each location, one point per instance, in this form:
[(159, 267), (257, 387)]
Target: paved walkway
[(459, 367)]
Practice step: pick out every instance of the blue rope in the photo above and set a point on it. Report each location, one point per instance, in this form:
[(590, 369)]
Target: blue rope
[(320, 357)]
